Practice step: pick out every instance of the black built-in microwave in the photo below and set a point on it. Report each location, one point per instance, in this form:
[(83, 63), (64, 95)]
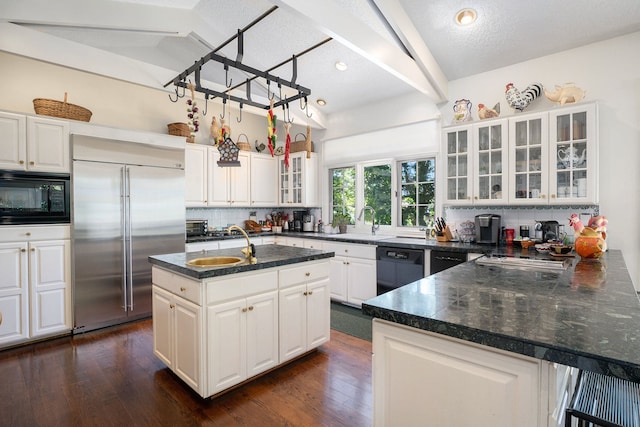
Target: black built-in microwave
[(34, 198)]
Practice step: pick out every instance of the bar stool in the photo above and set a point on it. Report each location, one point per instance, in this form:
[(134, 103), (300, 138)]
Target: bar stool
[(605, 401)]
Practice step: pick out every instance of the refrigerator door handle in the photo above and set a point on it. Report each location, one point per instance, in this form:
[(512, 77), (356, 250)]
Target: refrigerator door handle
[(129, 252), (123, 227)]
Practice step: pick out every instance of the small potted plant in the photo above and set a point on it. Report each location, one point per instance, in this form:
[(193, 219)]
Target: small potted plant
[(341, 220)]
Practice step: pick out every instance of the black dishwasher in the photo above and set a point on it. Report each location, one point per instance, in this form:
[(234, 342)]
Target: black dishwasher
[(441, 260), (397, 267)]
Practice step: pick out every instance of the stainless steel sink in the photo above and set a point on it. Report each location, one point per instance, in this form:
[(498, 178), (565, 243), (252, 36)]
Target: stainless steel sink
[(523, 263), (215, 261)]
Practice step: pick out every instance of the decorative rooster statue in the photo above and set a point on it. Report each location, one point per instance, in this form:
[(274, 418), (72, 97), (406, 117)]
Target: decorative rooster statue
[(520, 100), (590, 240), (485, 112)]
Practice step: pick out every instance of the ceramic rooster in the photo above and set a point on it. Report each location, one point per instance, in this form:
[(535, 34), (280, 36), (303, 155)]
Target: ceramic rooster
[(577, 225), (488, 113), (520, 100)]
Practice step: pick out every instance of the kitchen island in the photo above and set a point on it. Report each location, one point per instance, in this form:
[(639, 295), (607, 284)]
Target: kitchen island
[(217, 327), (496, 345)]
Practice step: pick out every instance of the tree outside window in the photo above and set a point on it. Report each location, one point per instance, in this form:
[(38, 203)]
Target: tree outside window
[(377, 193), (418, 191), (343, 184)]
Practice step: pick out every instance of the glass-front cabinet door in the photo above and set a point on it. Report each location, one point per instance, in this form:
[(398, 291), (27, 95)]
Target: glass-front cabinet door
[(291, 180), (528, 160), (458, 171), (573, 151), (490, 160)]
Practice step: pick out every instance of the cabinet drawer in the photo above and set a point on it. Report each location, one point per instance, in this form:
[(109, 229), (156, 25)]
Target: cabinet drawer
[(178, 285), (351, 250), (17, 233), (304, 273), (240, 285)]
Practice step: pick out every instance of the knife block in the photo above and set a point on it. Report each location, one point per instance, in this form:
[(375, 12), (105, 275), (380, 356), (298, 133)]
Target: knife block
[(446, 235)]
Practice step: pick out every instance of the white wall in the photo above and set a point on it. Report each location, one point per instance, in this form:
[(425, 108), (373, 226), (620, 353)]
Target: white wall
[(117, 103)]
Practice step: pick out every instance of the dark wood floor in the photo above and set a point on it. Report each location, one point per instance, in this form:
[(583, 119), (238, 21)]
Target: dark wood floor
[(112, 378)]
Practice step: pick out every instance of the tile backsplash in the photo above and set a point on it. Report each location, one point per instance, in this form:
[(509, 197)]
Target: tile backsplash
[(514, 217), (223, 217)]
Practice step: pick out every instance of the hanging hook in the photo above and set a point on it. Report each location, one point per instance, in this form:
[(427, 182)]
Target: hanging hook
[(287, 114), (178, 96), (306, 108), (270, 94), (224, 108), (227, 80), (239, 119), (206, 104)]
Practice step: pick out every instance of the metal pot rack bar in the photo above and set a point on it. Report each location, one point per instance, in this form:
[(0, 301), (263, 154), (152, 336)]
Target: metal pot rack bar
[(302, 92)]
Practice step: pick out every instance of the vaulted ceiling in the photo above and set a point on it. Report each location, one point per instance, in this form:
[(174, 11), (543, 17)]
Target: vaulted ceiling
[(391, 47)]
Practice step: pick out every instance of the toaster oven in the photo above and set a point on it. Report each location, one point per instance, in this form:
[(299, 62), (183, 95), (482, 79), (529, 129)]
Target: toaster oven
[(197, 227)]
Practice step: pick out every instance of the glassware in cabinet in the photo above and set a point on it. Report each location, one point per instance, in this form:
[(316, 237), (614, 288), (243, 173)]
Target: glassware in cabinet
[(528, 166), (458, 165)]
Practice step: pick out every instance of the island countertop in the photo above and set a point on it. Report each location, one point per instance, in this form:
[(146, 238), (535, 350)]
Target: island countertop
[(587, 316), (268, 256)]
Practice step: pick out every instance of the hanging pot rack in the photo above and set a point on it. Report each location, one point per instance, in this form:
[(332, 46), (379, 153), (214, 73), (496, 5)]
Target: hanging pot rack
[(180, 81)]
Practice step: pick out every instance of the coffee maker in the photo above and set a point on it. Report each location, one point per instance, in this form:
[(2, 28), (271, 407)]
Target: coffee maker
[(298, 217), (488, 229)]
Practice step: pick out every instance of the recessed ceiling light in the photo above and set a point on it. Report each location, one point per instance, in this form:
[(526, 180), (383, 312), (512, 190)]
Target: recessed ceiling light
[(466, 17), (321, 102), (341, 66)]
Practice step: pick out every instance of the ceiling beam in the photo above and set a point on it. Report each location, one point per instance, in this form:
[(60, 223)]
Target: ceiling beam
[(404, 28), (330, 18)]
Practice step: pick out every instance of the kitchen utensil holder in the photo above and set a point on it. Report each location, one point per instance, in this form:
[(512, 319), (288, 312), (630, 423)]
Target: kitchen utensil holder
[(446, 235)]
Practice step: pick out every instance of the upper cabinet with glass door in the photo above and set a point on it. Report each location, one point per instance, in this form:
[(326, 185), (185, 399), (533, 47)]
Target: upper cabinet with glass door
[(573, 151), (457, 143), (490, 152), (528, 159)]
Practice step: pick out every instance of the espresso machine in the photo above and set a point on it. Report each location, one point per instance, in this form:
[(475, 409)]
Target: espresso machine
[(488, 229), (298, 217)]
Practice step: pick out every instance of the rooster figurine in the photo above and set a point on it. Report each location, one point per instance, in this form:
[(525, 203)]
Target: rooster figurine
[(590, 240), (488, 113), (520, 100)]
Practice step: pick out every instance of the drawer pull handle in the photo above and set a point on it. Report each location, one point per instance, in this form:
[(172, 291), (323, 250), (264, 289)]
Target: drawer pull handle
[(182, 289), (307, 274)]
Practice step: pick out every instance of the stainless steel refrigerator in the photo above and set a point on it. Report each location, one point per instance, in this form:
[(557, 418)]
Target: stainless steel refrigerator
[(127, 203)]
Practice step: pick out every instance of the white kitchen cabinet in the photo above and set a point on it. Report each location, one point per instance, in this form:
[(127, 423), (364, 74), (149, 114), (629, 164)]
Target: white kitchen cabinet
[(221, 331), (228, 186), (495, 388), (202, 246), (34, 143), (529, 159), (352, 272), (573, 154), (177, 335), (304, 319), (195, 167), (457, 149), (490, 153), (297, 184), (264, 186), (35, 285), (248, 327)]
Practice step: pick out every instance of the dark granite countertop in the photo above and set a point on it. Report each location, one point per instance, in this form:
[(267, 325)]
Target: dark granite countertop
[(587, 316), (365, 239), (268, 256)]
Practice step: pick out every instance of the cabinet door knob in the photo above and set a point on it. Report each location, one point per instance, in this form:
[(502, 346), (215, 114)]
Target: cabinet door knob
[(553, 196), (21, 162), (542, 196), (23, 250), (32, 163), (172, 306), (305, 293), (250, 308), (28, 233), (307, 274), (33, 249), (182, 289), (244, 310), (310, 293)]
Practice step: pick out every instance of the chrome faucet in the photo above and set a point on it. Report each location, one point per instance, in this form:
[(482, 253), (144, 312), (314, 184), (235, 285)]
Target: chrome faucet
[(374, 227), (250, 251)]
